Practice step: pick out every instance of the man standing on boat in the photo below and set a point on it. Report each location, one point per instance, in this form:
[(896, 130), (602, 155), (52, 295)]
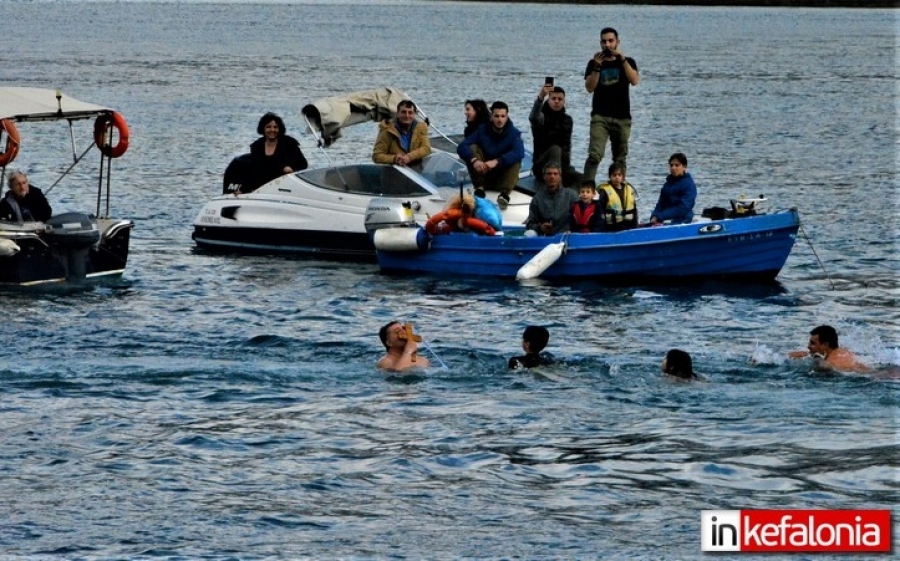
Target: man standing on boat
[(551, 128), (24, 203), (609, 75), (494, 153), (549, 211), (403, 141)]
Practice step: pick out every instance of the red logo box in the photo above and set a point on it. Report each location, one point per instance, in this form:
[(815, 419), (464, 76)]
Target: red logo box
[(833, 531)]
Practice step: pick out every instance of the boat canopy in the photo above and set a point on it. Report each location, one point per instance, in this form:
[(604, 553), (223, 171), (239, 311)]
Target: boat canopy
[(40, 104), (329, 115)]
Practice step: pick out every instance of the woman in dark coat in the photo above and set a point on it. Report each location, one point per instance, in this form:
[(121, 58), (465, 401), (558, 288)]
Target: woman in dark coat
[(274, 154)]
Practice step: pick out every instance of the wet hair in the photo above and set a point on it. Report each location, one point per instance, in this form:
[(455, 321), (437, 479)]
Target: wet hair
[(587, 182), (606, 30), (679, 157), (537, 338), (679, 364), (268, 118), (614, 167), (383, 332), (482, 113), (499, 105), (406, 103), (827, 335), (558, 89)]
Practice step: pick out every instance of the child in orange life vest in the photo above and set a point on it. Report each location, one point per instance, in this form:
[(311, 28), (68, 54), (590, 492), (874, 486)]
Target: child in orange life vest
[(586, 214)]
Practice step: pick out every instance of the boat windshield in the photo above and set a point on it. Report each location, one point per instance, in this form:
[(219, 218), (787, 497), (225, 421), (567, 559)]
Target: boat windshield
[(366, 179), (444, 170)]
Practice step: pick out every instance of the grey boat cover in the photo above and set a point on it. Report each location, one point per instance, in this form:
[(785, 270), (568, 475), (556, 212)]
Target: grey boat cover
[(39, 104), (329, 115)]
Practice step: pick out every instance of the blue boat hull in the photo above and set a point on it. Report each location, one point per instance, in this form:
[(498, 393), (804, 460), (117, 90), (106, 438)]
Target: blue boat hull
[(752, 249)]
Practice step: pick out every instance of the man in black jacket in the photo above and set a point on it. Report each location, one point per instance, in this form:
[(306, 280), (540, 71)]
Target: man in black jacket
[(551, 128), (24, 203)]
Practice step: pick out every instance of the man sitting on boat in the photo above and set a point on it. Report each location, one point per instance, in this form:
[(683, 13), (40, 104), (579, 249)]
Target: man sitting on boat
[(548, 213), (404, 140), (677, 196), (494, 154), (24, 203)]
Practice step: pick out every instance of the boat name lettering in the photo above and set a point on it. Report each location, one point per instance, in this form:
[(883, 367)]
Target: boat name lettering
[(746, 237), (210, 219)]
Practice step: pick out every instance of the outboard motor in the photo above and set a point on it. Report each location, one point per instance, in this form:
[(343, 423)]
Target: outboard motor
[(388, 213), (237, 176), (72, 234), (392, 226)]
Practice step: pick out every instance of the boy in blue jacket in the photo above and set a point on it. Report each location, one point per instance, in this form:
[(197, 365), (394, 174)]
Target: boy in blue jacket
[(677, 196)]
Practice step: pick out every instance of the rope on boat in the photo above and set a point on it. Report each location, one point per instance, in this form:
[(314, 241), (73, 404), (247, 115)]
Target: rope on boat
[(75, 163), (827, 276)]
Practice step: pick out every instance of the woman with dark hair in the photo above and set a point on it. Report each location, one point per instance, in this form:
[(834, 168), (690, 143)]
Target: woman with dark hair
[(678, 364), (477, 113), (274, 154)]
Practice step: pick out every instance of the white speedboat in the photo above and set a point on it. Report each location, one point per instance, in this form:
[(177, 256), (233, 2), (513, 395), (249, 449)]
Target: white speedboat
[(71, 247), (322, 211)]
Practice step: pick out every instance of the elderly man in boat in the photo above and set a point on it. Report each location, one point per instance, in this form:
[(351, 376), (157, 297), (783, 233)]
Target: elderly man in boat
[(24, 203), (403, 140)]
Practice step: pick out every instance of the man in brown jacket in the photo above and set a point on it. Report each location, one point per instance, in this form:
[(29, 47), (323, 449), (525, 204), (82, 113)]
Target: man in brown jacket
[(402, 141)]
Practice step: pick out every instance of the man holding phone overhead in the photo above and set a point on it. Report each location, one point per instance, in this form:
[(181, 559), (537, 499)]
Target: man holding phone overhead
[(551, 129), (608, 75)]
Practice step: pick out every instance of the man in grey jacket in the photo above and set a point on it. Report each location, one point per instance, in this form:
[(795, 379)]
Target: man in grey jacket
[(549, 211)]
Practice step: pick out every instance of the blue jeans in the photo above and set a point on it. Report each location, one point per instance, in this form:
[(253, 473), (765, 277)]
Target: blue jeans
[(617, 131)]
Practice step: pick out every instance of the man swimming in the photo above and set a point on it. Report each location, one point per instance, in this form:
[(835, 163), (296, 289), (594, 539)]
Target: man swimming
[(823, 347), (401, 346)]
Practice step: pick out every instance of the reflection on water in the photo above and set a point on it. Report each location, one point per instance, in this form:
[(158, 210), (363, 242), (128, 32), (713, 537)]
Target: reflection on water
[(221, 405)]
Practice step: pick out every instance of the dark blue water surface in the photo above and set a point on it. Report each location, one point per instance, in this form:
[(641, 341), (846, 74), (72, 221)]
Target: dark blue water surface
[(216, 406)]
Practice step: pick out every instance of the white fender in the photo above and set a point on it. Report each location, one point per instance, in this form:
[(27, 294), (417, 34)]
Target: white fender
[(8, 248), (541, 262), (400, 239)]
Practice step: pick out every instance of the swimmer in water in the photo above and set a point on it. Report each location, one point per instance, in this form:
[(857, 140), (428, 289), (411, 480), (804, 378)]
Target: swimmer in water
[(823, 347)]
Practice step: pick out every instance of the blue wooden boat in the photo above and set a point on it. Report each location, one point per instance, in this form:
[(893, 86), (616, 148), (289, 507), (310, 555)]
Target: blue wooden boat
[(752, 248)]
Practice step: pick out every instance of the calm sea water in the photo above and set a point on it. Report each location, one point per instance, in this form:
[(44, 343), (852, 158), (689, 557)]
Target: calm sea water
[(226, 406)]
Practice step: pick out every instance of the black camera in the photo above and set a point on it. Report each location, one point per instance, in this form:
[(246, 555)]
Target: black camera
[(607, 53)]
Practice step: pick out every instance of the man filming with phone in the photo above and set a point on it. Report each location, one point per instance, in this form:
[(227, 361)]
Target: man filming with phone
[(551, 128), (608, 76)]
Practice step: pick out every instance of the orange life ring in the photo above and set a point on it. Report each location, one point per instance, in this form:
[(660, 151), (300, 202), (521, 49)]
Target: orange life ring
[(12, 142), (451, 217), (478, 225), (101, 131)]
